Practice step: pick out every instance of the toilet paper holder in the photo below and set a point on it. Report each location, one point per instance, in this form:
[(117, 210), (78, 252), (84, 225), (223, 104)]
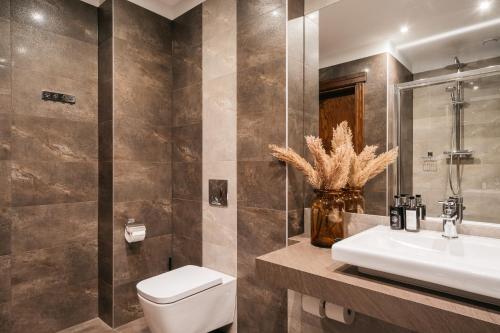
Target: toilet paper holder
[(134, 232)]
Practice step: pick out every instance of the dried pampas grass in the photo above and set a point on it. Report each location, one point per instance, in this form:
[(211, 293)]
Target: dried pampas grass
[(342, 166)]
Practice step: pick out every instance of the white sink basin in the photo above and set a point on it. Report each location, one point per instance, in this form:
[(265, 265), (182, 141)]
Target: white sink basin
[(469, 263)]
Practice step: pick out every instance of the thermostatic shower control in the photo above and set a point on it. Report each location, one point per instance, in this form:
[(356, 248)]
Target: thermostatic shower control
[(58, 97)]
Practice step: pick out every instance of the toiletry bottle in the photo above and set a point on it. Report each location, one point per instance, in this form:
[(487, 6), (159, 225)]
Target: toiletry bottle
[(421, 209), (412, 222), (397, 215)]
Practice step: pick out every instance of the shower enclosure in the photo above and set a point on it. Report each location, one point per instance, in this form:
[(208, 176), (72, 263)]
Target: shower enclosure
[(448, 128)]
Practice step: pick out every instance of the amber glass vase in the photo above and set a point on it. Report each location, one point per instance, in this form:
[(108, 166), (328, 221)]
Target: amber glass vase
[(327, 218), (354, 200)]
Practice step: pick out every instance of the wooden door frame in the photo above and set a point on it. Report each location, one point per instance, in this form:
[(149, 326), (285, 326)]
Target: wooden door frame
[(356, 81)]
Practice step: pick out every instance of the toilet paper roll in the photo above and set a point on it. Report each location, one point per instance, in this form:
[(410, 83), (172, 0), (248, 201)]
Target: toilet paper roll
[(307, 222), (313, 305), (339, 313), (137, 235)]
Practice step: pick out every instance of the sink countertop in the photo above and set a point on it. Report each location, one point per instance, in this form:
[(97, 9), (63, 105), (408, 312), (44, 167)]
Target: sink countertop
[(310, 270)]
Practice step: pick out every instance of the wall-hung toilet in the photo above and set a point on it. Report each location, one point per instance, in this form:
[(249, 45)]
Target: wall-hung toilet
[(190, 299)]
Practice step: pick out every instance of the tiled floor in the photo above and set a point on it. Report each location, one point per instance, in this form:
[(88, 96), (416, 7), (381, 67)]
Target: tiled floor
[(98, 326)]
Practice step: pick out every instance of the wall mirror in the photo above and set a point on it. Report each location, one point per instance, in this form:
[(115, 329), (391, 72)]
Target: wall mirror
[(424, 75)]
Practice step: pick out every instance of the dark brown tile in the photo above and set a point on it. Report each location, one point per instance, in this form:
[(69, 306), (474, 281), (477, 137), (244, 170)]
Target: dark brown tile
[(156, 215), (144, 66), (45, 139), (5, 317), (262, 39), (105, 302), (186, 251), (27, 87), (5, 267), (187, 178), (5, 9), (41, 183), (134, 140), (259, 231), (187, 63), (257, 301), (136, 326), (187, 105), (73, 222), (261, 185), (74, 19), (56, 309), (105, 146), (140, 260), (187, 143), (141, 27), (5, 136), (35, 273), (5, 230), (92, 326), (126, 305), (136, 181), (295, 9), (69, 57), (295, 222), (5, 183), (105, 82), (251, 8), (187, 219), (105, 21), (187, 28)]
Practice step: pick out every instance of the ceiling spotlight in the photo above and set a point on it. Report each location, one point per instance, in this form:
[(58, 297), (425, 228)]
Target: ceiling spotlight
[(484, 5), (366, 70), (404, 29), (38, 17), (476, 87)]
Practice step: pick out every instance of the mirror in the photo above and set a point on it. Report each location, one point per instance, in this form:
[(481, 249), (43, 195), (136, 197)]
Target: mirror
[(421, 75)]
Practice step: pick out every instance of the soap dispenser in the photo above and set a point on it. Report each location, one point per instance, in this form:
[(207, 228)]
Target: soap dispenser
[(397, 213), (412, 221)]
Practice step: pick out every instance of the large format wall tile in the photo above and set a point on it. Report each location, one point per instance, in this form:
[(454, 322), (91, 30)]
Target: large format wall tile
[(72, 19), (45, 139), (42, 183), (39, 227)]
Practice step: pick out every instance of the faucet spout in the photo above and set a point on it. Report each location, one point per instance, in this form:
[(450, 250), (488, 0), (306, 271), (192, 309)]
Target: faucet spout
[(452, 216)]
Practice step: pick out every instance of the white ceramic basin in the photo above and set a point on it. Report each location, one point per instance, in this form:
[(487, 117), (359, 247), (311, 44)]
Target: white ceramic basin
[(469, 263)]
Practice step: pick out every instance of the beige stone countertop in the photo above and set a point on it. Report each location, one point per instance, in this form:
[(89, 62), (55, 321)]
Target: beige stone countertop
[(311, 270)]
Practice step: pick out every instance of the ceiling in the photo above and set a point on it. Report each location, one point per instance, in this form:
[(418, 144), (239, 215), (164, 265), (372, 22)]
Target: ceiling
[(438, 30), (167, 8)]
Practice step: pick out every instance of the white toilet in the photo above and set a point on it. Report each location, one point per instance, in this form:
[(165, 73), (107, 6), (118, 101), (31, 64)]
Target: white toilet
[(190, 299)]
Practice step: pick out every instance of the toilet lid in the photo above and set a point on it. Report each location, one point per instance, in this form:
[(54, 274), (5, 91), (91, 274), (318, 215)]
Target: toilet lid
[(178, 284)]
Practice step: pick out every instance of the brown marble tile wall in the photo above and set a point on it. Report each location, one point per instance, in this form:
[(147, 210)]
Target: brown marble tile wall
[(135, 127), (295, 109), (48, 165), (261, 215), (375, 115), (105, 135), (5, 149), (187, 138)]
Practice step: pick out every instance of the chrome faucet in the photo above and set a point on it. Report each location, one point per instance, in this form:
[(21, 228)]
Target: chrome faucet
[(453, 212)]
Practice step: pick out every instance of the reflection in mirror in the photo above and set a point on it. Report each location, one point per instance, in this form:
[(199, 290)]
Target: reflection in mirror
[(447, 129)]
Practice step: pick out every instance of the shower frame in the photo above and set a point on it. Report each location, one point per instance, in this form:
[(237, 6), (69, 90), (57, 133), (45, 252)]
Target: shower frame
[(400, 87)]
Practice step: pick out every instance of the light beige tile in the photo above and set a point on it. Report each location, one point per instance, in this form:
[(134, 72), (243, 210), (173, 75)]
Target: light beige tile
[(220, 226), (220, 258)]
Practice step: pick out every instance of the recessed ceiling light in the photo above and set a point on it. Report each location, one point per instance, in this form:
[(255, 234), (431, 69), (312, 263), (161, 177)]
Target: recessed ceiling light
[(366, 70), (476, 87), (275, 13), (404, 29), (38, 17), (484, 5)]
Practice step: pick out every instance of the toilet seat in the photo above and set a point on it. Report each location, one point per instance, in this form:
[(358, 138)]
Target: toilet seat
[(178, 284)]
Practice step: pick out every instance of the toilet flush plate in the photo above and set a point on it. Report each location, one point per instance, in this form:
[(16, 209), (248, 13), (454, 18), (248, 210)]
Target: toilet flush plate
[(217, 192)]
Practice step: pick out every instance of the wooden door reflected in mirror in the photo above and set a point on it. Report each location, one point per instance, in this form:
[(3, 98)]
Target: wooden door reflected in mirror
[(341, 100)]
